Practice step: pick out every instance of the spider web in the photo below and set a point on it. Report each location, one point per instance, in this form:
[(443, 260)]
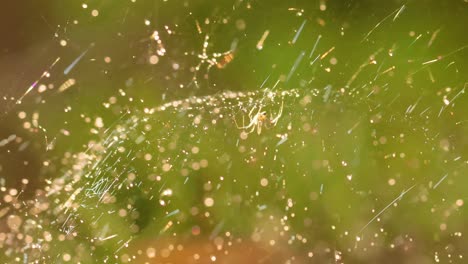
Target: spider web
[(110, 154)]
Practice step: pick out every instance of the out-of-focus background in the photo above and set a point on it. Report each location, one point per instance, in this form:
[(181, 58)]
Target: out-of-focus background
[(233, 131)]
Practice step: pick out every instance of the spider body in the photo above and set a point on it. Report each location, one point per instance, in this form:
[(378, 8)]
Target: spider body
[(219, 60), (260, 119)]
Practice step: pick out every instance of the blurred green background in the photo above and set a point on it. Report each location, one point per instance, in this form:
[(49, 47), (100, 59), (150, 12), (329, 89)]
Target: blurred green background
[(366, 163)]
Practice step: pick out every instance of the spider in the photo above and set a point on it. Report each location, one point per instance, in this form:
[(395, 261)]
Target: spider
[(220, 60), (260, 119)]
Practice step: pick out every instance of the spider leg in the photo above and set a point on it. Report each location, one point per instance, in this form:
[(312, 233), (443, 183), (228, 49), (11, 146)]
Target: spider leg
[(251, 124), (237, 125), (195, 74), (206, 76), (205, 44), (275, 120), (253, 128), (259, 127), (251, 111)]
